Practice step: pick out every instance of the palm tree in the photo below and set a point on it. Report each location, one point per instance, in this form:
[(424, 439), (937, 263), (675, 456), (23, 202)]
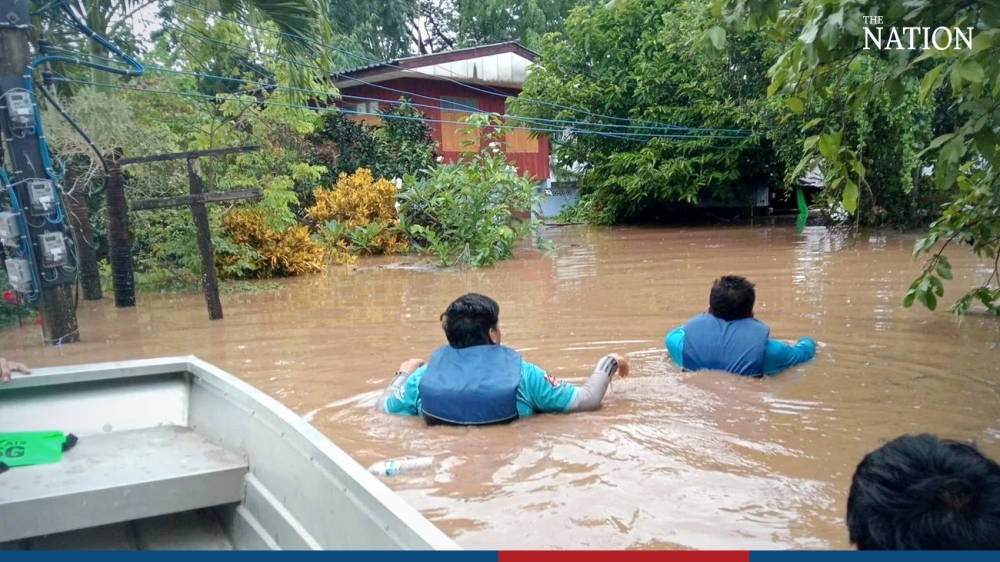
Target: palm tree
[(298, 21)]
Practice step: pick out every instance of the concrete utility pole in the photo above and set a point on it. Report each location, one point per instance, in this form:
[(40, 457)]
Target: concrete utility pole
[(39, 248)]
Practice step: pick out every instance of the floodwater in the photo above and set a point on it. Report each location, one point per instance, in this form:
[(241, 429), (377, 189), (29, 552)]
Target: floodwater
[(672, 460)]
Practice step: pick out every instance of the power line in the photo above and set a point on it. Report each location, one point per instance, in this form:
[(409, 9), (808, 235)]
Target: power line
[(549, 122), (574, 125), (462, 84), (623, 136)]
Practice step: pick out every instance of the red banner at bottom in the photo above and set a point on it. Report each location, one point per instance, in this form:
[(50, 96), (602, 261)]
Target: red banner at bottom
[(624, 556)]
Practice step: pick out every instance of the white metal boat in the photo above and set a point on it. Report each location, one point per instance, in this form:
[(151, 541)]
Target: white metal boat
[(176, 454)]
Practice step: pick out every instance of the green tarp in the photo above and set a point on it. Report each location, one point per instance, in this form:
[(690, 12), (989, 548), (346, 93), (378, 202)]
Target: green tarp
[(33, 447)]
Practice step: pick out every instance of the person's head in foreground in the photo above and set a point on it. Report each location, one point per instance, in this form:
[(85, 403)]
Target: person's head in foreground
[(472, 320), (924, 493), (732, 298)]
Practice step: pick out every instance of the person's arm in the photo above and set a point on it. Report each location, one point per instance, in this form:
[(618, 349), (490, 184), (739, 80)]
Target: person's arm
[(401, 396), (675, 345), (8, 367), (589, 396), (780, 356), (546, 394)]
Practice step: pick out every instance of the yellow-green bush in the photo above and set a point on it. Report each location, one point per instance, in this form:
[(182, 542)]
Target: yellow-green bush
[(364, 211), (273, 254)]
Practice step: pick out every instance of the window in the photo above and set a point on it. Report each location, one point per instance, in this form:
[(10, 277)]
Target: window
[(367, 108), (520, 140), (453, 110)]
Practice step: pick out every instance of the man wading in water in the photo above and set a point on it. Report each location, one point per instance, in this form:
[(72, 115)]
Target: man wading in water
[(728, 337), (476, 381)]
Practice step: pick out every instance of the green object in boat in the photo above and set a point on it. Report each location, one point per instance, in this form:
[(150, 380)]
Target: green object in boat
[(33, 447)]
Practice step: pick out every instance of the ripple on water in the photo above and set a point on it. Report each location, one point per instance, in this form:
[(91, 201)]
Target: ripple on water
[(672, 460)]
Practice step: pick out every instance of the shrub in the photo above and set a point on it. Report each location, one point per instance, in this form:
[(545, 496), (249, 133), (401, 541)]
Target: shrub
[(13, 310), (268, 253), (402, 144), (365, 208), (332, 236), (464, 212)]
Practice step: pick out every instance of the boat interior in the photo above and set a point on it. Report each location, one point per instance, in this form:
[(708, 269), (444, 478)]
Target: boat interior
[(175, 454)]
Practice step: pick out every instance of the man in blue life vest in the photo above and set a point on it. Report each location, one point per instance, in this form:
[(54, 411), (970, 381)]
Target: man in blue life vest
[(476, 381), (728, 337)]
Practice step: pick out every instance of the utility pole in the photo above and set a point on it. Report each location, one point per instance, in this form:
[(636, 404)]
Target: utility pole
[(41, 259)]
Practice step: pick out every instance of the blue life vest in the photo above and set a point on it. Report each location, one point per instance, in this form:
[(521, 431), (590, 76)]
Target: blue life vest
[(471, 386), (737, 347)]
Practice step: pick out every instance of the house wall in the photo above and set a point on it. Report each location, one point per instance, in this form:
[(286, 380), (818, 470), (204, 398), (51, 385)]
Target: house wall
[(526, 154)]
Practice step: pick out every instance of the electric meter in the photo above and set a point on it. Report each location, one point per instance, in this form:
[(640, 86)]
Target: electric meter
[(53, 249), (19, 275), (10, 230), (21, 112), (43, 198)]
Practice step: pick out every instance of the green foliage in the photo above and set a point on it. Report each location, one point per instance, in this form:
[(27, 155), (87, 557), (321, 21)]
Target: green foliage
[(332, 237), (13, 310), (166, 280), (483, 22), (887, 136), (342, 145), (581, 211), (825, 39), (367, 239), (143, 123), (401, 145), (378, 27), (463, 213), (366, 211), (635, 60), (231, 120)]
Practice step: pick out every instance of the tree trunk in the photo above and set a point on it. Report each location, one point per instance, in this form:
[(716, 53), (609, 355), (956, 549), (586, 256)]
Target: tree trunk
[(79, 216), (97, 20), (119, 239)]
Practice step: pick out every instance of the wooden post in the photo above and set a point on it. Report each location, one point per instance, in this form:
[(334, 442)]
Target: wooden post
[(197, 199), (200, 215), (79, 217), (119, 240)]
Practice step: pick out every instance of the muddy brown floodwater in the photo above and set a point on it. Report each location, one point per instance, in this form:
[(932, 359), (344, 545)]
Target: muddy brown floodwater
[(672, 460)]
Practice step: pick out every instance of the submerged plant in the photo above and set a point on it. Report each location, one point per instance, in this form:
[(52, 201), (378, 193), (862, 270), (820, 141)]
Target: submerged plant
[(467, 212)]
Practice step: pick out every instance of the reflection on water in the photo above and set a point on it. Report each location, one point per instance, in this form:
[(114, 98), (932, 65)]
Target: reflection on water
[(673, 460)]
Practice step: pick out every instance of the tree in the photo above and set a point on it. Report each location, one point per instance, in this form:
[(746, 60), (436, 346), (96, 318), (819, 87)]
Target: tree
[(433, 29), (481, 22), (297, 22), (377, 28), (675, 114), (439, 25), (826, 38)]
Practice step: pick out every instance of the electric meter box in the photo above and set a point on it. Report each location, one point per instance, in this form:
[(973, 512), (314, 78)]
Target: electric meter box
[(19, 275), (42, 196), (10, 230), (21, 111), (53, 249)]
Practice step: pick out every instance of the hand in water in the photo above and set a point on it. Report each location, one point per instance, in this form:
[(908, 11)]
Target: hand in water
[(8, 367), (411, 365), (622, 365)]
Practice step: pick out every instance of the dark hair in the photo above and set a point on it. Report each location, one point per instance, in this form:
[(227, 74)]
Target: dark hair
[(924, 493), (467, 321), (732, 298)]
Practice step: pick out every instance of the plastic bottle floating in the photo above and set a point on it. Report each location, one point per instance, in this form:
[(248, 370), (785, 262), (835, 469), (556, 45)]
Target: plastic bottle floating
[(393, 467)]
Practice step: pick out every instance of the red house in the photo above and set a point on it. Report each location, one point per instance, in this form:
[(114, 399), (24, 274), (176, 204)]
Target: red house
[(446, 87)]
